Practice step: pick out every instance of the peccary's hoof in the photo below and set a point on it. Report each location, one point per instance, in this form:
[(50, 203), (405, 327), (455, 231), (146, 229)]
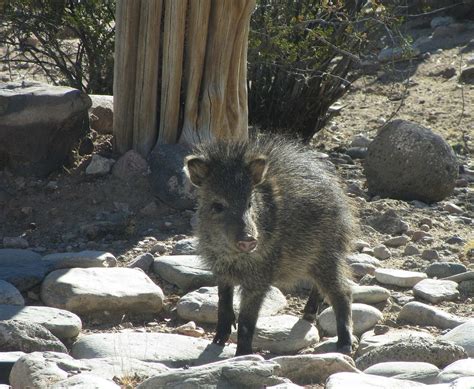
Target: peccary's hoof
[(311, 317), (243, 351), (221, 339), (347, 349)]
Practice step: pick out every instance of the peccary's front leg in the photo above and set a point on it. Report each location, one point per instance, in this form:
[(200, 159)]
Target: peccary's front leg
[(225, 313), (250, 304)]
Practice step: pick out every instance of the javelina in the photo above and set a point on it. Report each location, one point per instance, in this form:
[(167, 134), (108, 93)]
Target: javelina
[(270, 213)]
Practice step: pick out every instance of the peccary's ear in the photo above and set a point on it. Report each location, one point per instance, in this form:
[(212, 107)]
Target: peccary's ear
[(196, 168), (258, 169)]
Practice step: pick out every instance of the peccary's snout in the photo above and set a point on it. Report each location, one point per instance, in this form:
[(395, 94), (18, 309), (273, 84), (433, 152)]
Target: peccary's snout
[(247, 244)]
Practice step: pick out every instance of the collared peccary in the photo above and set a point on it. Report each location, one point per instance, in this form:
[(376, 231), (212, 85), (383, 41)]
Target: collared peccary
[(270, 213)]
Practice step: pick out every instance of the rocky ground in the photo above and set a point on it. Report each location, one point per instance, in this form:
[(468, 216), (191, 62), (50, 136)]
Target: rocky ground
[(412, 325)]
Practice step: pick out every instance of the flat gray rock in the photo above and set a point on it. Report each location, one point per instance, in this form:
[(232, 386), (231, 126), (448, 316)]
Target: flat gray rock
[(101, 289), (425, 315), (282, 334), (462, 335), (369, 294), (397, 241), (458, 369), (186, 271), (310, 369), (370, 341), (82, 259), (366, 381), (397, 277), (186, 246), (363, 258), (436, 291), (437, 352), (170, 349), (10, 295), (364, 318), (40, 125), (85, 380), (62, 324), (16, 335), (423, 372), (22, 268), (235, 373), (444, 269), (41, 369), (201, 305)]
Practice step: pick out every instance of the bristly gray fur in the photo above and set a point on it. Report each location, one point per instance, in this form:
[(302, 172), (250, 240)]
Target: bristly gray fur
[(299, 215)]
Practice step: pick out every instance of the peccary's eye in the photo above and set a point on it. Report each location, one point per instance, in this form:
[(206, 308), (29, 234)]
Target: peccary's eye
[(217, 207)]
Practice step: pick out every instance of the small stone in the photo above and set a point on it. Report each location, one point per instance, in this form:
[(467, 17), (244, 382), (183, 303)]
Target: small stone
[(419, 235), (468, 275), (430, 255), (466, 287), (364, 318), (397, 277), (143, 261), (460, 368), (467, 75), (444, 269), (190, 329), (453, 208), (423, 372), (129, 166), (186, 246), (363, 258), (99, 165), (360, 140), (388, 223), (382, 252), (411, 250), (360, 244), (159, 248), (425, 227), (436, 291), (437, 352), (463, 336), (396, 241), (425, 315), (15, 242), (357, 152), (455, 240), (361, 269), (372, 294), (427, 221)]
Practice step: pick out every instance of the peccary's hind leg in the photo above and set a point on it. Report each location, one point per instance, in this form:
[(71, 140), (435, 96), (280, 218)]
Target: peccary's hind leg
[(333, 284), (312, 305), (225, 313), (250, 303)]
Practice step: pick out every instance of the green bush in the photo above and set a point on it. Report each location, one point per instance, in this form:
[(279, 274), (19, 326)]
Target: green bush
[(300, 60), (71, 40)]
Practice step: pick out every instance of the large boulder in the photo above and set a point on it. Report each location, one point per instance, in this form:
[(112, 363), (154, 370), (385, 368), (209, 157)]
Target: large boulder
[(39, 126), (167, 178), (409, 162)]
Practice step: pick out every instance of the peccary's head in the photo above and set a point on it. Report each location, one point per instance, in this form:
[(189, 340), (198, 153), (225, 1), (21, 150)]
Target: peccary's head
[(226, 176)]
